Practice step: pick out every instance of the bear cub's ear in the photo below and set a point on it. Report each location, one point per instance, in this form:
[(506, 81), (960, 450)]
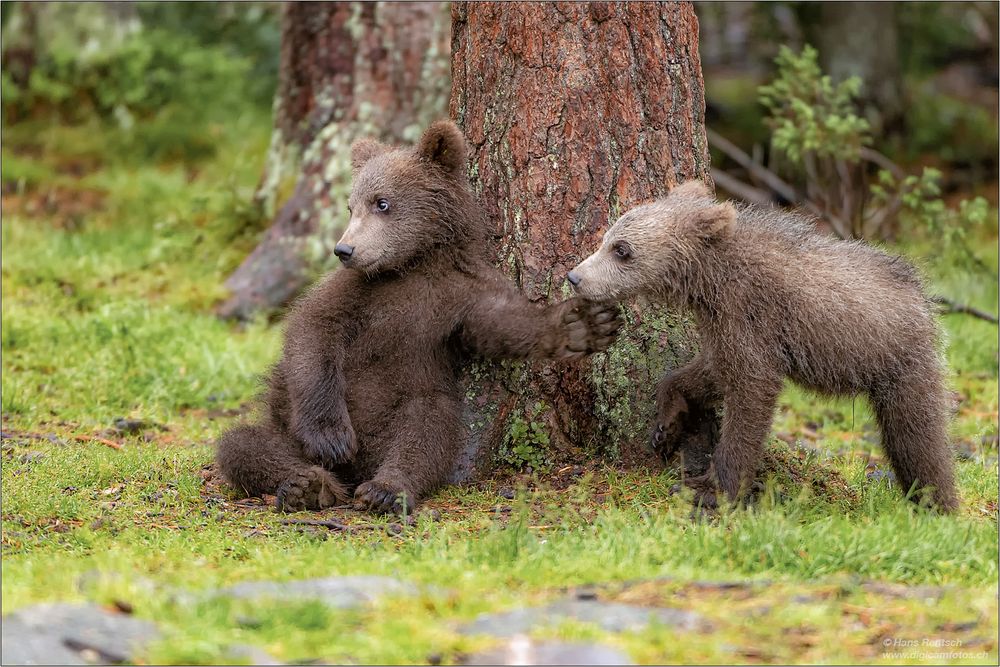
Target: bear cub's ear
[(364, 150), (692, 189), (711, 220), (716, 221), (443, 144)]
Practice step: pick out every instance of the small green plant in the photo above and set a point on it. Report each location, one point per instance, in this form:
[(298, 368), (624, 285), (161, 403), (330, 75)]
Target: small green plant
[(917, 199), (809, 116), (146, 72), (527, 441)]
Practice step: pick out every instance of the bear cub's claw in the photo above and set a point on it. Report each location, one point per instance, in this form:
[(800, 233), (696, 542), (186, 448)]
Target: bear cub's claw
[(382, 498), (666, 438), (310, 489), (658, 440)]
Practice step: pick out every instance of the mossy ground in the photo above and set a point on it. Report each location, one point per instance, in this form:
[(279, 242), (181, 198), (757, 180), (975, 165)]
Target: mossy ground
[(110, 271)]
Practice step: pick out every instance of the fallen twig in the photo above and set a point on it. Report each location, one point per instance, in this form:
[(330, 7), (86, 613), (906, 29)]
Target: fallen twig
[(328, 523), (742, 190), (949, 306), (93, 438), (770, 179), (882, 161)]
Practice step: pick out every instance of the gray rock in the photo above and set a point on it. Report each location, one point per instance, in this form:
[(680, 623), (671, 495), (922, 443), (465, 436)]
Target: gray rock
[(23, 646), (878, 474), (522, 651), (339, 592), (903, 591), (252, 654), (610, 616), (52, 634)]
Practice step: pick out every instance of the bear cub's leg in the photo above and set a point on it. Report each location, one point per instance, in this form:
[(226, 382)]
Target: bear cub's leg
[(698, 440), (914, 422), (259, 459), (685, 397), (691, 431), (427, 436), (746, 423)]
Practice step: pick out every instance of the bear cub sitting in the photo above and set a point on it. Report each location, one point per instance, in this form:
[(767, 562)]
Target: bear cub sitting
[(774, 299), (366, 395)]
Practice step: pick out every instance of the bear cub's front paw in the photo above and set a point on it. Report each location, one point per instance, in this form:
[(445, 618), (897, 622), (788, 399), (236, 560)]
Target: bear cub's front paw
[(329, 444), (587, 327), (309, 489), (706, 493), (381, 497)]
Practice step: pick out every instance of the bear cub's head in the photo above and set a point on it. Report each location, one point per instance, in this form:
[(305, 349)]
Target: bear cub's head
[(652, 248), (407, 203)]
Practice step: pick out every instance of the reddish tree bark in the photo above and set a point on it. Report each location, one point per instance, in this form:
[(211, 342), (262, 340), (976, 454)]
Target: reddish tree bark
[(347, 69), (574, 113)]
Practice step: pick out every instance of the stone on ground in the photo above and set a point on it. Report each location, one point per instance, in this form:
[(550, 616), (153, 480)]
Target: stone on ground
[(523, 651), (72, 634), (338, 592), (609, 616)]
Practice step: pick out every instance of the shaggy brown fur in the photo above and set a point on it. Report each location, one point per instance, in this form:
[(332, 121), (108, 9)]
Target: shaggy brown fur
[(366, 394), (774, 299)]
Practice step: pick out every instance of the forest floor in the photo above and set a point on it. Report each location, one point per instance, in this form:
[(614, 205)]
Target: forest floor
[(117, 377)]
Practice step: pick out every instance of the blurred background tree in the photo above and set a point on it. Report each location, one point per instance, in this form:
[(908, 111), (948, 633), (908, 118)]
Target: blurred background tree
[(944, 77), (347, 70), (888, 128)]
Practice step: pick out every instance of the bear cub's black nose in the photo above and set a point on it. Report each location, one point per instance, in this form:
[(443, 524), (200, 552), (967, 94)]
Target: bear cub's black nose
[(574, 279), (343, 251)]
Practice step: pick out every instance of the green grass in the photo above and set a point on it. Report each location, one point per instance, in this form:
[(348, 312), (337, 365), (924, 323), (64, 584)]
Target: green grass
[(108, 313)]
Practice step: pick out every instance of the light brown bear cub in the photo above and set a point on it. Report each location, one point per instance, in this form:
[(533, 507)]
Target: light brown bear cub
[(772, 299)]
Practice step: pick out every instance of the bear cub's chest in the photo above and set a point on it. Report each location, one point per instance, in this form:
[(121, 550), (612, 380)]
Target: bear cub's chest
[(405, 315)]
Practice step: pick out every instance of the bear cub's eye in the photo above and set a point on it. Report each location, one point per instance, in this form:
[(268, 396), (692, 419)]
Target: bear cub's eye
[(382, 205), (622, 250)]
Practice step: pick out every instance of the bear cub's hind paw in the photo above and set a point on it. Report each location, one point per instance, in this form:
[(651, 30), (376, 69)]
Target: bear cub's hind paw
[(310, 489), (705, 500), (382, 497)]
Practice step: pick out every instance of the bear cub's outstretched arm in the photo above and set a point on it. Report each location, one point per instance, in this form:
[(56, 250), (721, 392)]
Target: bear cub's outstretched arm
[(500, 322)]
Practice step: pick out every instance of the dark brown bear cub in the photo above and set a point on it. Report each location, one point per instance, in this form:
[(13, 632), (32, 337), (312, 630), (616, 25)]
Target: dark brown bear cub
[(774, 299), (366, 395)]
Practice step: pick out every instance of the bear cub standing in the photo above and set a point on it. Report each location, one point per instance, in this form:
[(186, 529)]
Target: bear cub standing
[(366, 394), (772, 299)]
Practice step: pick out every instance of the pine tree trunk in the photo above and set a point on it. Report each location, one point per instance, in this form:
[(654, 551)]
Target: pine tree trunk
[(574, 113), (347, 70)]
